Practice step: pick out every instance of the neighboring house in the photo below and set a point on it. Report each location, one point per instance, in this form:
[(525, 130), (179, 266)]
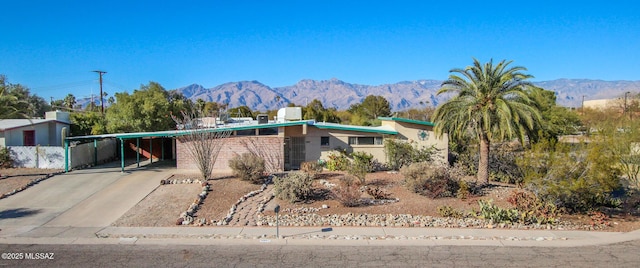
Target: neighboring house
[(32, 132)]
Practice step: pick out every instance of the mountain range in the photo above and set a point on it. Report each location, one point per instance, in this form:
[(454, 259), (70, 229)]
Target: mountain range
[(334, 93), (341, 95)]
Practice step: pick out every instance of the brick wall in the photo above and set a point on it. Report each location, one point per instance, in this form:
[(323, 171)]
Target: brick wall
[(232, 147), (130, 150)]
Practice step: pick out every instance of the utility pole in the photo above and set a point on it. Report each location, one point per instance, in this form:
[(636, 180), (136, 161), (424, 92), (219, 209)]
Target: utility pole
[(101, 96), (625, 103), (582, 107)]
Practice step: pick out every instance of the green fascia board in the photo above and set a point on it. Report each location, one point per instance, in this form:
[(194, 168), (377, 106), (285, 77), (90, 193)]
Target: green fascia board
[(355, 128), (405, 120), (176, 133)]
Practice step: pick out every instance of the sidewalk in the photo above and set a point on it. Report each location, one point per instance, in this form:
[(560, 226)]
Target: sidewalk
[(328, 236)]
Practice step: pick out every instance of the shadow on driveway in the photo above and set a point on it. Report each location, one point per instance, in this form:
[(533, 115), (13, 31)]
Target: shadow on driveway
[(18, 213)]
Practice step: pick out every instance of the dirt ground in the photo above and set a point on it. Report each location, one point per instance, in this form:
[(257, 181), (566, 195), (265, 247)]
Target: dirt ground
[(226, 190), (164, 205), (16, 178)]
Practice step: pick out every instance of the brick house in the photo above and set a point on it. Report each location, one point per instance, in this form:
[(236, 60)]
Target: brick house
[(294, 142)]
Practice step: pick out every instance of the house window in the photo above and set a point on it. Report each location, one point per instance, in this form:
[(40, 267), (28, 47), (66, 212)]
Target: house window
[(365, 140), (268, 131), (324, 141), (29, 138)]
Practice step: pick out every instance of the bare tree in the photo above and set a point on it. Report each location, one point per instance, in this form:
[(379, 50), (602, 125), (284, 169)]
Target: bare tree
[(203, 142), (272, 153)]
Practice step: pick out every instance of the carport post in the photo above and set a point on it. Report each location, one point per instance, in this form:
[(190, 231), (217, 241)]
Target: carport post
[(162, 151), (138, 151), (66, 156), (121, 155), (151, 150), (95, 152)]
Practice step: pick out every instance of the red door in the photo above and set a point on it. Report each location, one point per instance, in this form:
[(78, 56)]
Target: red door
[(29, 138)]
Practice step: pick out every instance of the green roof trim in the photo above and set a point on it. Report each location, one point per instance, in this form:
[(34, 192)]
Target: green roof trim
[(405, 120), (380, 130), (176, 133)]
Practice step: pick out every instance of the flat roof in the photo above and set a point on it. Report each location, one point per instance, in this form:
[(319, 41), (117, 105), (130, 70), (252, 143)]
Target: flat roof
[(7, 124), (406, 120), (380, 129), (176, 133)]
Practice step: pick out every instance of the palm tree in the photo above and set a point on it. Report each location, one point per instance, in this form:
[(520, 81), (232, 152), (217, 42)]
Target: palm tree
[(491, 105)]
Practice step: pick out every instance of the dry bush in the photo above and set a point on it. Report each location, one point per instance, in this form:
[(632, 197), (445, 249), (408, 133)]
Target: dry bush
[(378, 193), (429, 180), (294, 187), (347, 192), (311, 168), (248, 167)]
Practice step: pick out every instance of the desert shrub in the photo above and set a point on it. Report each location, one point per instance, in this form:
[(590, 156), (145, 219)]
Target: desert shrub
[(531, 208), (363, 159), (464, 190), (429, 180), (448, 211), (490, 211), (347, 192), (294, 187), (378, 193), (337, 161), (503, 166), (248, 167), (378, 166), (400, 153), (360, 166), (6, 161), (311, 168), (576, 179)]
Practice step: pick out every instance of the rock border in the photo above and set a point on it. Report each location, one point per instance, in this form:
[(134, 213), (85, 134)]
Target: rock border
[(29, 184), (234, 207)]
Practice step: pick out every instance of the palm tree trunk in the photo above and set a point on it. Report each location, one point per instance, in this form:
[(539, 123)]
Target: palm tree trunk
[(483, 163)]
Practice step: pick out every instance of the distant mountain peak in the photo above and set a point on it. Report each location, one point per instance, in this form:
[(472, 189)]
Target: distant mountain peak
[(401, 95)]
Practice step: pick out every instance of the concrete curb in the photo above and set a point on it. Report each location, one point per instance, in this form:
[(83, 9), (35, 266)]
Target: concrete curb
[(341, 236)]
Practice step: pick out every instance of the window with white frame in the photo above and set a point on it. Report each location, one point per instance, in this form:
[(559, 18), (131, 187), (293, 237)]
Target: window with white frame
[(365, 140)]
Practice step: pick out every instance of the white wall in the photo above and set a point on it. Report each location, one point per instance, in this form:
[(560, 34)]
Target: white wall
[(83, 154)]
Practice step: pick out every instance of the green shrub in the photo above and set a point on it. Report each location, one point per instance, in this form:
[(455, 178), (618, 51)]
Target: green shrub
[(448, 211), (294, 187), (6, 161), (429, 180), (463, 190), (248, 167), (337, 161), (492, 212), (576, 179), (400, 153), (360, 166)]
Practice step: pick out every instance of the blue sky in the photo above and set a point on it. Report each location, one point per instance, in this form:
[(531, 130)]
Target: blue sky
[(52, 46)]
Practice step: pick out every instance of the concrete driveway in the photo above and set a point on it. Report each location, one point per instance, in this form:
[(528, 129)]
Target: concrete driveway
[(91, 198)]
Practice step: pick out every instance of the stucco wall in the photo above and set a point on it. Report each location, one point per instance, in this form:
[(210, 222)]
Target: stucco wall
[(46, 134), (84, 154), (410, 132)]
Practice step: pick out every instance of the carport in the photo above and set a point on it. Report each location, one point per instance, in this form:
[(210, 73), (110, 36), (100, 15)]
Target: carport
[(122, 137)]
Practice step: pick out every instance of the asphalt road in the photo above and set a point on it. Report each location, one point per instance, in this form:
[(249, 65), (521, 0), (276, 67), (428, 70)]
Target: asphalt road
[(614, 255)]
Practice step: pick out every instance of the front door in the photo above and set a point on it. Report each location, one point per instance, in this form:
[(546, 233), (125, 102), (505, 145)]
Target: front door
[(29, 138), (294, 152)]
